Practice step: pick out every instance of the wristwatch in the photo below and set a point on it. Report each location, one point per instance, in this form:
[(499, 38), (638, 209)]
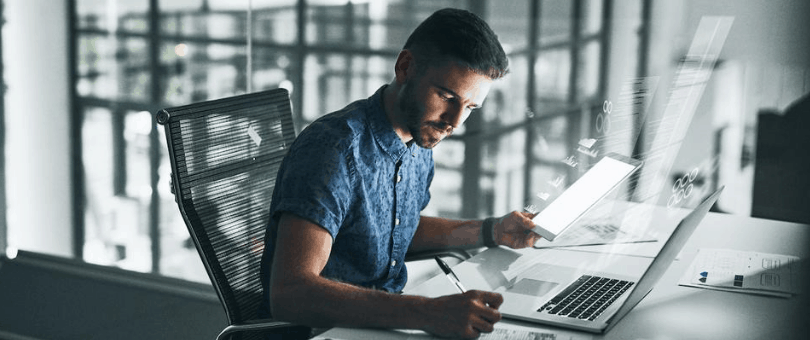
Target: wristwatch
[(488, 230)]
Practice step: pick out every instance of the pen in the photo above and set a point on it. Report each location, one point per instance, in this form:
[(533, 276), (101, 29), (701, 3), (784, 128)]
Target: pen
[(449, 273)]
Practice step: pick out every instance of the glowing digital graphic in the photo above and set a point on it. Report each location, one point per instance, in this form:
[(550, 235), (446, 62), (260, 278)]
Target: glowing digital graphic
[(531, 208), (682, 188), (588, 152), (603, 119), (543, 195), (587, 142), (667, 131), (627, 114), (571, 161), (585, 147), (557, 181)]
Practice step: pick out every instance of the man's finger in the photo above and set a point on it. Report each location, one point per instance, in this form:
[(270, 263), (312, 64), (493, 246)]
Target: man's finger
[(483, 325), (526, 221), (528, 214), (530, 241), (494, 300)]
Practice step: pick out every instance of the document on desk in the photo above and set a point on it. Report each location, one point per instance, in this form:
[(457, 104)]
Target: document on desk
[(744, 272), (501, 332)]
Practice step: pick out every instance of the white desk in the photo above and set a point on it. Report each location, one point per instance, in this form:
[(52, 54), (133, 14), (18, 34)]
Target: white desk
[(675, 312)]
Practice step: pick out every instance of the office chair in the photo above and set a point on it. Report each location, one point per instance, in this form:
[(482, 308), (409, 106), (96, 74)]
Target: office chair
[(781, 185), (224, 156)]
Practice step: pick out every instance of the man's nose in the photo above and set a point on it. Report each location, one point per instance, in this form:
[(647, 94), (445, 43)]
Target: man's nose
[(456, 117)]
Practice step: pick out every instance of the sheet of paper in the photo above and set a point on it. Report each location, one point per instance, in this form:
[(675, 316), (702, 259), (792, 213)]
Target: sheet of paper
[(744, 272), (501, 332)]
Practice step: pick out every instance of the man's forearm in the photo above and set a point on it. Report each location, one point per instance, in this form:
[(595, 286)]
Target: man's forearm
[(320, 302), (440, 233)]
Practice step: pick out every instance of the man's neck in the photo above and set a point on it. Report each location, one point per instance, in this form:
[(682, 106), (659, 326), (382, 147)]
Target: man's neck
[(389, 98)]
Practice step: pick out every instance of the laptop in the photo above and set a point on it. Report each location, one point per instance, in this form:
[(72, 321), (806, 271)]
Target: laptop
[(555, 292)]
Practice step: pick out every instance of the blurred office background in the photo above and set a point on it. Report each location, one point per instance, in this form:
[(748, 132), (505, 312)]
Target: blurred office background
[(85, 172)]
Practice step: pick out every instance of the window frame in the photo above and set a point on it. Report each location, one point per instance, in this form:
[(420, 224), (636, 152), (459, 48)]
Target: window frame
[(473, 196)]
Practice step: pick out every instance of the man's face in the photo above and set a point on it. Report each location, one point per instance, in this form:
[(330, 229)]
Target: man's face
[(439, 100)]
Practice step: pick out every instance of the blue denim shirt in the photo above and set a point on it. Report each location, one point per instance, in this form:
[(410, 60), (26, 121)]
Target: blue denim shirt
[(350, 173)]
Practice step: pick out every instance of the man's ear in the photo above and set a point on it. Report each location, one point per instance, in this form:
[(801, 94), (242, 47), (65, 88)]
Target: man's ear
[(404, 66)]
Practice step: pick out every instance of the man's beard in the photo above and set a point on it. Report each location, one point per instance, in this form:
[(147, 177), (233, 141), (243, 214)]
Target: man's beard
[(414, 114)]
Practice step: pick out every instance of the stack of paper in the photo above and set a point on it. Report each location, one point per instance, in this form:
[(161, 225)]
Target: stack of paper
[(501, 332), (744, 272)]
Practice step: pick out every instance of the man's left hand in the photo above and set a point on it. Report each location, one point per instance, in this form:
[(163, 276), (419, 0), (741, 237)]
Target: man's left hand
[(514, 230)]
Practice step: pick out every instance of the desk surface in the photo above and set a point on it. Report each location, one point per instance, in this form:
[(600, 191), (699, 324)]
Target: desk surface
[(676, 312)]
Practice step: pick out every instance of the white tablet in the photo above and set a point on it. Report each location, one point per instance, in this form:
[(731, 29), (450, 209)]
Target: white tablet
[(595, 184)]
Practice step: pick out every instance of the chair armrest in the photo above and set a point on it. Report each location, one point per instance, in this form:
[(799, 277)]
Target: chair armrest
[(291, 331), (460, 254)]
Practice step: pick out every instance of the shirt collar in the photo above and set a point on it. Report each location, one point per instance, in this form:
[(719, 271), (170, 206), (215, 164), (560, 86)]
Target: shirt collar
[(383, 130)]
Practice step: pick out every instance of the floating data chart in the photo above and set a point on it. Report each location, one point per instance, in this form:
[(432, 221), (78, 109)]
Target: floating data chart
[(571, 161), (585, 146), (682, 188), (603, 119)]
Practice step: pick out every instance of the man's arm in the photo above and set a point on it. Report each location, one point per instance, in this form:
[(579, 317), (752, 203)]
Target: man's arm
[(299, 294), (442, 233), (512, 230)]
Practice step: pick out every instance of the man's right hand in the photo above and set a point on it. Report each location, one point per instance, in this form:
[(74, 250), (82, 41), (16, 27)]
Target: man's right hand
[(463, 315)]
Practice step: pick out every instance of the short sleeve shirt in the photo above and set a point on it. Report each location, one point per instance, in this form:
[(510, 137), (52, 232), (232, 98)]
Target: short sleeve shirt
[(351, 174)]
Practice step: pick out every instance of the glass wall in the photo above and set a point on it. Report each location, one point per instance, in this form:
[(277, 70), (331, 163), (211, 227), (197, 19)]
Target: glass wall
[(134, 57)]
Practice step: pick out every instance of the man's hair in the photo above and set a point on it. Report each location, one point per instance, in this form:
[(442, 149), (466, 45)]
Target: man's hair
[(460, 36)]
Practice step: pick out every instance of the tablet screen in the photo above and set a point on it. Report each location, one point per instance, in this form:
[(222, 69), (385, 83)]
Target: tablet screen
[(582, 195)]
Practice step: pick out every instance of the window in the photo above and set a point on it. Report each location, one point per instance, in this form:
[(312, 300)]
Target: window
[(3, 242), (135, 57)]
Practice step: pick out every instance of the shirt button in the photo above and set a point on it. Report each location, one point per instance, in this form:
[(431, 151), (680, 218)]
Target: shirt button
[(396, 221), (393, 263), (399, 178)]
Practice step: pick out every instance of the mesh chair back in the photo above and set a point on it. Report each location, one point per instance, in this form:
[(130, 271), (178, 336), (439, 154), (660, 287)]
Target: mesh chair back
[(224, 155)]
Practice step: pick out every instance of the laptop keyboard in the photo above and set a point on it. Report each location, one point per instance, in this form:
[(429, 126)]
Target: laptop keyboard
[(586, 298)]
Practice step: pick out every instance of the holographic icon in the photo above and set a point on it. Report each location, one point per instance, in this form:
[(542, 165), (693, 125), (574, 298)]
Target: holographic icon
[(585, 146), (587, 142), (603, 119), (571, 161), (682, 188), (531, 208), (592, 153), (557, 181), (543, 195)]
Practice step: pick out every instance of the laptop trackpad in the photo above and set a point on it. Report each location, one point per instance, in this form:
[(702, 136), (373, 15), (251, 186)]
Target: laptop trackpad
[(532, 287)]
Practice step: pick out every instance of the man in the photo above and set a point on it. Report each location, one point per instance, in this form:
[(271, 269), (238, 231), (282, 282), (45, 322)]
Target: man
[(347, 202)]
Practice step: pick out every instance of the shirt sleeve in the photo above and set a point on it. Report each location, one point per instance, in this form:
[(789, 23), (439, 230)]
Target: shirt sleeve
[(315, 184), (428, 181)]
